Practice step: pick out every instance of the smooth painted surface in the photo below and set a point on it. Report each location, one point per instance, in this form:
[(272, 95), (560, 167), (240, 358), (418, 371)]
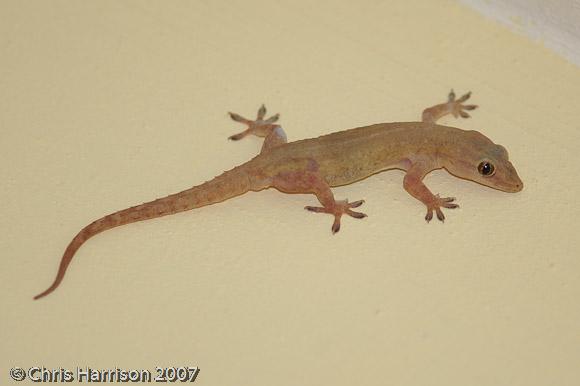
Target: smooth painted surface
[(553, 23), (105, 105)]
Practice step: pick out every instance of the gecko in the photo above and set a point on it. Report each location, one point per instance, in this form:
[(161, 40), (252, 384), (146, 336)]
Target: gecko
[(315, 165)]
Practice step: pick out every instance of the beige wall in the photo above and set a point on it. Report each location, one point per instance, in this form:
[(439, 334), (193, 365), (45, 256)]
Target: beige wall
[(107, 104)]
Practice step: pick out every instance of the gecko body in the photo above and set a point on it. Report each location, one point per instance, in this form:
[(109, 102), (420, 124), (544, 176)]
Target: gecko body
[(317, 164)]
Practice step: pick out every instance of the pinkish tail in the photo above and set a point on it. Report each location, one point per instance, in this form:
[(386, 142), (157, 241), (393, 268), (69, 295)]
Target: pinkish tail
[(229, 184)]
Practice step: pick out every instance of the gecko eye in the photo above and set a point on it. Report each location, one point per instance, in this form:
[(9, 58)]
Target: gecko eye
[(486, 169)]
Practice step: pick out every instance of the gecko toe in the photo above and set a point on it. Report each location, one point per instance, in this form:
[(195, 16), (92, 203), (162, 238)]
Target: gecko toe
[(464, 97), (447, 202), (261, 112), (336, 226), (440, 215), (238, 117), (237, 137), (451, 96), (273, 118), (356, 204), (354, 214), (316, 209)]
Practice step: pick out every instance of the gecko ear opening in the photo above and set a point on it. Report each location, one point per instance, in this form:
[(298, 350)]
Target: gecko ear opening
[(486, 169)]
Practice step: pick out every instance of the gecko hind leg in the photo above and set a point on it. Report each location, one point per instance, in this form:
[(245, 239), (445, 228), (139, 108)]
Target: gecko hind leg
[(453, 106), (303, 177), (337, 210), (260, 127)]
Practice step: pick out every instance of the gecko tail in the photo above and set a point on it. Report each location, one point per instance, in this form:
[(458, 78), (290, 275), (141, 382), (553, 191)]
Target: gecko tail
[(70, 251), (86, 233), (227, 185)]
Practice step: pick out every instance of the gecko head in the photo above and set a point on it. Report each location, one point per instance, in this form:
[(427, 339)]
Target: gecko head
[(484, 162)]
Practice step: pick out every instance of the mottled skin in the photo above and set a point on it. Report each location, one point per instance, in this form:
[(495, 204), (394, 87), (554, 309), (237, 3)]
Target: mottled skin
[(317, 164)]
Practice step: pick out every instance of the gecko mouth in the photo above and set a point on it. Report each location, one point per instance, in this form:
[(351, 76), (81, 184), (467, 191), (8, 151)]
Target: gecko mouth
[(516, 183), (511, 187), (514, 188)]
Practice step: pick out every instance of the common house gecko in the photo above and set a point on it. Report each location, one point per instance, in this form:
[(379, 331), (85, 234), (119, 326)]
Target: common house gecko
[(317, 164)]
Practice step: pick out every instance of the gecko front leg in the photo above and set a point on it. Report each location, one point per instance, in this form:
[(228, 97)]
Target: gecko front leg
[(413, 183), (453, 106), (302, 176)]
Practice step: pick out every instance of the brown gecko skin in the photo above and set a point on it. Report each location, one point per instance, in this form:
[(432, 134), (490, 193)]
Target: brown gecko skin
[(317, 164)]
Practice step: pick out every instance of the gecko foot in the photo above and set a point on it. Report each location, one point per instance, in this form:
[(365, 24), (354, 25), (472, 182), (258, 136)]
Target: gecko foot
[(337, 210), (438, 203), (260, 127), (457, 107)]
